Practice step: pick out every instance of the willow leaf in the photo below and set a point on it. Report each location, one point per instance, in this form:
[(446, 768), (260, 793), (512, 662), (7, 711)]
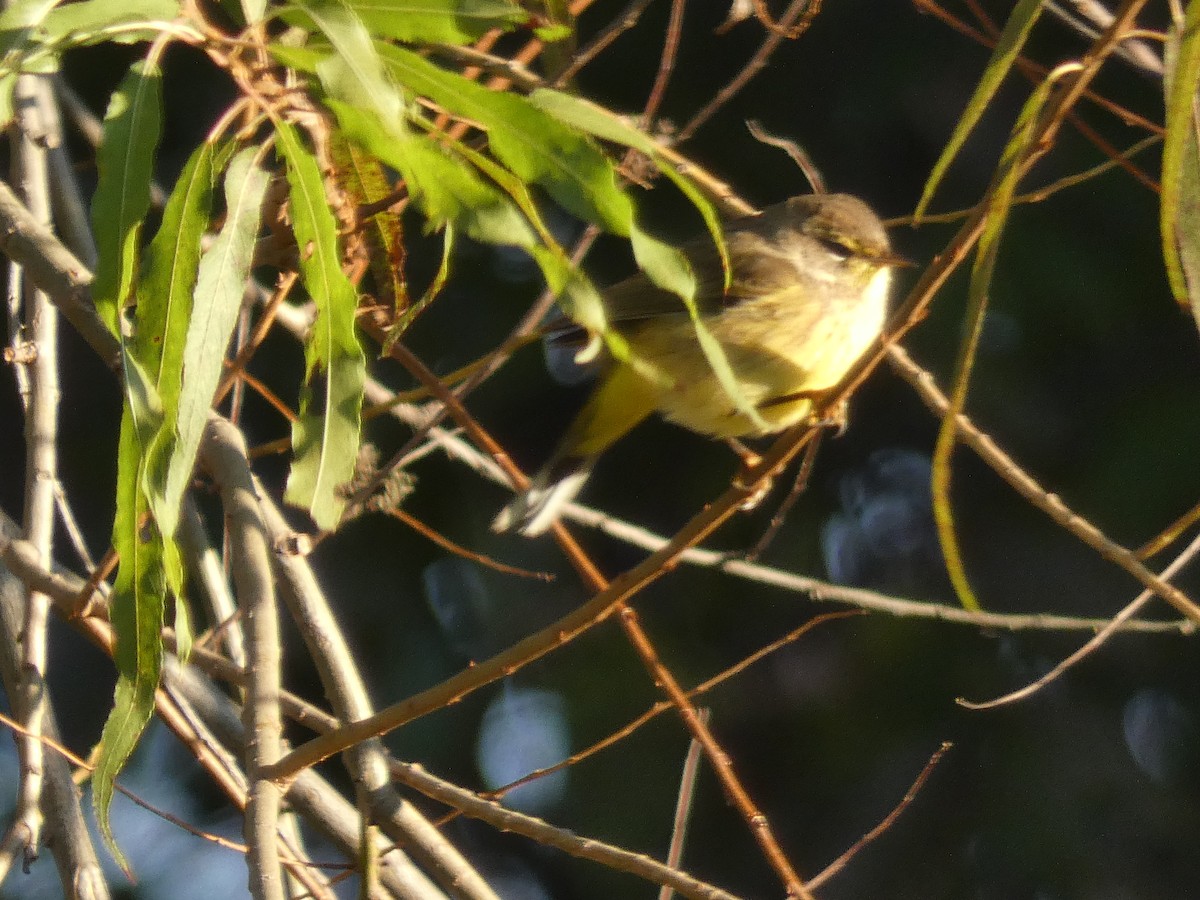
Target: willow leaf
[(362, 177), (112, 21), (126, 162), (438, 21), (20, 20), (354, 73), (325, 436), (538, 148), (138, 605), (445, 189), (220, 285), (170, 266), (1008, 47), (601, 123), (1007, 177), (1179, 205)]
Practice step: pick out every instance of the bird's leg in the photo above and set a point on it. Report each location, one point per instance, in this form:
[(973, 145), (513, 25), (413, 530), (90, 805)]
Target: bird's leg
[(834, 416), (798, 487), (750, 460)]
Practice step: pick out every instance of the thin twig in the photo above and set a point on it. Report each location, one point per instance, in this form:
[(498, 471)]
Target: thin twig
[(756, 64), (205, 568), (533, 647), (459, 550), (54, 269), (798, 155), (683, 805), (67, 830), (621, 23), (872, 601), (509, 820), (1100, 638), (662, 706), (756, 821), (666, 64), (1138, 54), (840, 863), (1034, 72), (81, 763), (1025, 485)]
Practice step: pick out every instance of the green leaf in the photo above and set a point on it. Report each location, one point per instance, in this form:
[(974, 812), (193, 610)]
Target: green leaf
[(597, 121), (1007, 177), (126, 165), (8, 84), (220, 286), (170, 266), (325, 436), (137, 612), (533, 144), (575, 294), (438, 21), (1179, 206), (354, 72), (445, 189), (93, 21), (164, 307), (19, 21), (1007, 49)]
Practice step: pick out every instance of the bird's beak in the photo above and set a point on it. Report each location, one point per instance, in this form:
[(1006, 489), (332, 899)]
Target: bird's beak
[(895, 261)]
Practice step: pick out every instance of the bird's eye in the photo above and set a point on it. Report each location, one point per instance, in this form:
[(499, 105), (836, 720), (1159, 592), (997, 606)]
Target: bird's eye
[(836, 248)]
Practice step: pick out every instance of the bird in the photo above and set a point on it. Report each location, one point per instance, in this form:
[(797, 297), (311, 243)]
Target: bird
[(807, 296)]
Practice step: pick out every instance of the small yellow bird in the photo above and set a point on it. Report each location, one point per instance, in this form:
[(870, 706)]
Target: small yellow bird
[(808, 295)]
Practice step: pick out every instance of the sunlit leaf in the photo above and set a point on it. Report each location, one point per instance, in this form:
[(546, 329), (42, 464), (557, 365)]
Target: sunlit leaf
[(1179, 218), (138, 604), (533, 144), (354, 73), (575, 295), (438, 21), (126, 164), (19, 20), (601, 123), (164, 308), (446, 190), (220, 286), (325, 436), (90, 21), (1007, 49), (1008, 176)]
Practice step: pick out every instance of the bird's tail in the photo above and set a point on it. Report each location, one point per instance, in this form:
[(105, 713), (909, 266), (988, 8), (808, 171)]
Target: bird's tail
[(623, 399), (534, 510)]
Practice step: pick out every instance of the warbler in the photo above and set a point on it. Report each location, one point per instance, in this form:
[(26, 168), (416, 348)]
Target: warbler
[(808, 294)]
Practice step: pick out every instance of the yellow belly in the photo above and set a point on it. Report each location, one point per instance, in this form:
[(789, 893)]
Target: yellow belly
[(775, 349)]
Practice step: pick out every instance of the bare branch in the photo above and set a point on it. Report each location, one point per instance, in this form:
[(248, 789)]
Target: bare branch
[(224, 453)]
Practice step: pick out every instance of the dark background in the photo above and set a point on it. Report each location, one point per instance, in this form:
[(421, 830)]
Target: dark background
[(1087, 374)]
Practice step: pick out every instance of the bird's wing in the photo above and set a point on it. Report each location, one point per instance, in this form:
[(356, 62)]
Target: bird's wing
[(757, 265)]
